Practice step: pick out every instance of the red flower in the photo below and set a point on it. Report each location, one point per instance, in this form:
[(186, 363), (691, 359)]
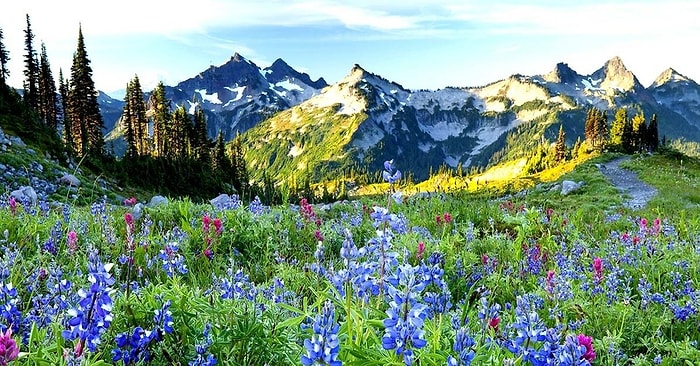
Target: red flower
[(493, 323), (598, 268), (447, 217), (438, 219), (218, 226), (421, 250)]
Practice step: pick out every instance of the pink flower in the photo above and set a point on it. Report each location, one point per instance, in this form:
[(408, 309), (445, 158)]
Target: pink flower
[(206, 221), (421, 250), (657, 226), (130, 201), (8, 347), (550, 281), (643, 224), (586, 341), (208, 253), (318, 235), (447, 217), (484, 259), (598, 268), (72, 240), (129, 219), (218, 226), (13, 205)]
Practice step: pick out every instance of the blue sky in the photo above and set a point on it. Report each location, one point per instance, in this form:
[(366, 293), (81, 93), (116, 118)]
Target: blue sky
[(419, 44)]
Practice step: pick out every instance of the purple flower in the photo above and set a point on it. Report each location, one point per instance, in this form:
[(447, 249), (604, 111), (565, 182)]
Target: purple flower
[(8, 347)]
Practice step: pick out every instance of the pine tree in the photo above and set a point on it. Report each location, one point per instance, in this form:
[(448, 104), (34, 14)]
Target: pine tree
[(63, 88), (639, 132), (47, 92), (177, 136), (560, 147), (617, 128), (162, 116), (652, 136), (601, 130), (627, 137), (31, 68), (83, 110), (200, 138), (238, 165), (576, 150), (132, 149), (4, 59), (136, 118)]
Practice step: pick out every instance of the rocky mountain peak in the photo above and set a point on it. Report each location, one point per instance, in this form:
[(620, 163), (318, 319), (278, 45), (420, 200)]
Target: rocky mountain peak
[(562, 73), (669, 75), (616, 76)]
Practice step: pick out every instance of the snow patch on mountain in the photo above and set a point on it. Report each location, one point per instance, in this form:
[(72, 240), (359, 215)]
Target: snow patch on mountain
[(443, 130), (211, 98), (239, 94), (295, 151)]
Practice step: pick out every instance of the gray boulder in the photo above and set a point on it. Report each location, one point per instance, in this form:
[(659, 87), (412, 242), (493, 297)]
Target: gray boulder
[(569, 186), (70, 180), (25, 193), (157, 200)]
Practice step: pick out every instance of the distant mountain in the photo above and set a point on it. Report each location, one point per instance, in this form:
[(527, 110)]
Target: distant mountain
[(111, 110), (364, 119), (295, 127)]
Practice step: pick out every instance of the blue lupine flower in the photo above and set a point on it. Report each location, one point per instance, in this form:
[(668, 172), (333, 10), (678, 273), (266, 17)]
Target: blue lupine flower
[(135, 348), (463, 347), (203, 358), (172, 260), (389, 175), (403, 328), (323, 347), (93, 313)]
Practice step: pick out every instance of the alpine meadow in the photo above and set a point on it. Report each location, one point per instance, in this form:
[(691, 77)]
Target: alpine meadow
[(254, 216)]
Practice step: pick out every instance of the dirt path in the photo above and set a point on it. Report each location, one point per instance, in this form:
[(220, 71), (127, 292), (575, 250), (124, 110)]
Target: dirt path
[(628, 183)]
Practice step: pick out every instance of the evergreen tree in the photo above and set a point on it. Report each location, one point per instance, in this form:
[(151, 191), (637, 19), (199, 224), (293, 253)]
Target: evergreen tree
[(652, 135), (48, 105), (131, 146), (136, 118), (200, 139), (617, 128), (639, 132), (63, 88), (601, 130), (627, 137), (560, 147), (576, 150), (83, 110), (178, 138), (219, 161), (31, 69), (238, 165), (4, 59), (162, 116)]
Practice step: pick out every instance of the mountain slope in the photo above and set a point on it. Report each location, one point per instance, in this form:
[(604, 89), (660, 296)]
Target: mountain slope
[(364, 119)]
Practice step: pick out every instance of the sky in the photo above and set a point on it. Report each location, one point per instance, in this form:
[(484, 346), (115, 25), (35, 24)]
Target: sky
[(418, 44)]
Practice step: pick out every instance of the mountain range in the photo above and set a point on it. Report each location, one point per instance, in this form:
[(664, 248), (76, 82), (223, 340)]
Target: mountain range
[(296, 128)]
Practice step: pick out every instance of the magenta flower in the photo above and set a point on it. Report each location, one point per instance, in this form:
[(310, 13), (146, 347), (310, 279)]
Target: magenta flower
[(598, 268), (13, 205), (8, 347), (587, 341), (72, 240), (129, 219), (206, 221), (218, 226), (421, 250)]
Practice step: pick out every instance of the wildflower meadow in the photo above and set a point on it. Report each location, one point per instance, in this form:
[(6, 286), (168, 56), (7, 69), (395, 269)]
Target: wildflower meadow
[(439, 279)]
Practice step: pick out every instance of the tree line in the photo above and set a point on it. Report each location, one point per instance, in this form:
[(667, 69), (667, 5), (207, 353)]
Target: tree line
[(168, 150)]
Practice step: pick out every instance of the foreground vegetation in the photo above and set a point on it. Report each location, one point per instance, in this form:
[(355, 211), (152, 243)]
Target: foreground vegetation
[(427, 280)]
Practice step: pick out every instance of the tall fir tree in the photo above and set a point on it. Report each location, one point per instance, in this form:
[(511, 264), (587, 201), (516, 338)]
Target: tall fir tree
[(238, 165), (589, 126), (601, 130), (132, 149), (4, 60), (162, 116), (48, 104), (627, 142), (136, 118), (178, 136), (560, 146), (652, 136), (639, 132), (219, 161), (31, 69), (63, 88), (83, 109), (200, 139)]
